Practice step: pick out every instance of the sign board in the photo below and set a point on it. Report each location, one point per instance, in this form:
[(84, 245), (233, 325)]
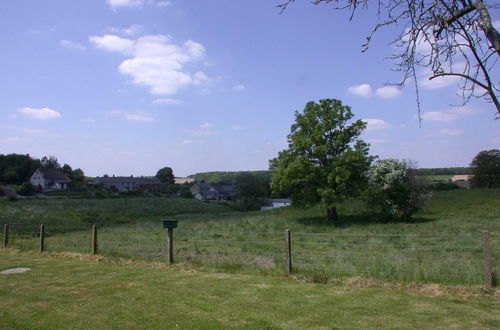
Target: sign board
[(170, 224)]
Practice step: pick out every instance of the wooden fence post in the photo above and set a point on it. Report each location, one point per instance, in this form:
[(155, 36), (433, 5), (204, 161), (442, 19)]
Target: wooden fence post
[(94, 239), (42, 238), (488, 278), (5, 235), (288, 252), (170, 235)]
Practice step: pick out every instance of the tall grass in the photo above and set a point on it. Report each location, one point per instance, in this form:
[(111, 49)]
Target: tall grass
[(441, 244)]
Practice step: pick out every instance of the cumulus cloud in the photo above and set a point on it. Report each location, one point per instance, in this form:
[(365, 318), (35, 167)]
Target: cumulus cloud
[(375, 124), (388, 92), (113, 43), (239, 87), (42, 113), (72, 45), (363, 90), (167, 101), (203, 129), (157, 61)]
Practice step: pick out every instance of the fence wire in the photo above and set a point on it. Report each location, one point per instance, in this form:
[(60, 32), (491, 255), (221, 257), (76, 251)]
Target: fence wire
[(449, 258)]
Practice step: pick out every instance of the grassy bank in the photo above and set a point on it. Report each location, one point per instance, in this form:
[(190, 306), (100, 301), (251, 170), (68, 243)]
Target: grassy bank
[(78, 294)]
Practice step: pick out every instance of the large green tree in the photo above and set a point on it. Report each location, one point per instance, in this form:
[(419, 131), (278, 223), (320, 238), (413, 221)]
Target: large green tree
[(325, 160), (486, 169), (17, 168), (165, 175)]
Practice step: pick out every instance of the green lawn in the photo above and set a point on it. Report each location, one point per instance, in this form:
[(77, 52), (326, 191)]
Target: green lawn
[(80, 294)]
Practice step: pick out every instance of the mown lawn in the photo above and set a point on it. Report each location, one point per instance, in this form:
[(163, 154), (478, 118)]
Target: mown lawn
[(81, 294)]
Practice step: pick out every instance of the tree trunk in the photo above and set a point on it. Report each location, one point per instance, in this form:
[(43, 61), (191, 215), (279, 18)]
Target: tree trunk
[(331, 213)]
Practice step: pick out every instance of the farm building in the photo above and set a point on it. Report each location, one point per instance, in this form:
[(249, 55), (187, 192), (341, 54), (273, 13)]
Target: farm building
[(129, 183), (50, 179), (209, 191)]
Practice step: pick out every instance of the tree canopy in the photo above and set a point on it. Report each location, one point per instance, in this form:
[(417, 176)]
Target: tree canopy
[(454, 38), (325, 159), (486, 169), (17, 168), (166, 175)]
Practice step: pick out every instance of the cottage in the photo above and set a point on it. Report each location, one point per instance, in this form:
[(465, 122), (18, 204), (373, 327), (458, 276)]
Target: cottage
[(270, 204), (50, 179), (129, 183), (209, 191)]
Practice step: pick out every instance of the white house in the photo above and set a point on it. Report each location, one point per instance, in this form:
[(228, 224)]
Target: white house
[(50, 179)]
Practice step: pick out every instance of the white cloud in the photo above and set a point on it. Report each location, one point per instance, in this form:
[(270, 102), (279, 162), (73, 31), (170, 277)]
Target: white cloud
[(42, 113), (167, 101), (237, 128), (374, 124), (157, 61), (137, 116), (239, 87), (113, 43), (388, 92), (451, 132), (363, 90), (131, 31), (89, 120), (186, 142), (203, 129), (114, 4), (439, 116), (72, 45)]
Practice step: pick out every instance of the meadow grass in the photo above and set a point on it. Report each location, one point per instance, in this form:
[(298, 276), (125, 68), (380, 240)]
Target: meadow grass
[(442, 244), (81, 294)]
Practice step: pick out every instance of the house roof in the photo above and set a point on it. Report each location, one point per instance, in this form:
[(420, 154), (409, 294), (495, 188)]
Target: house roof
[(127, 179), (54, 174)]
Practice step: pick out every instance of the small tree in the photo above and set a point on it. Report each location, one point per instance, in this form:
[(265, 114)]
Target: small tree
[(325, 160), (486, 169), (393, 189), (165, 175), (249, 191)]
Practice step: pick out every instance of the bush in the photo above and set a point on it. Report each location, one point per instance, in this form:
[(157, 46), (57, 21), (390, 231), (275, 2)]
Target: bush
[(394, 190), (27, 189), (2, 193), (442, 186), (12, 198)]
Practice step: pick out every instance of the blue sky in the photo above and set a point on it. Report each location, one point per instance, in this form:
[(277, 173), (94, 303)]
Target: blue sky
[(130, 86)]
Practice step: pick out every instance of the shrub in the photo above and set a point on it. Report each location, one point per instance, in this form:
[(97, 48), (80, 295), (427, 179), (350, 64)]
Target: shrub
[(27, 189), (393, 189), (441, 186), (2, 193)]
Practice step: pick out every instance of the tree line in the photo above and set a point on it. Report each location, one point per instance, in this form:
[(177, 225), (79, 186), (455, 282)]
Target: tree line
[(16, 169)]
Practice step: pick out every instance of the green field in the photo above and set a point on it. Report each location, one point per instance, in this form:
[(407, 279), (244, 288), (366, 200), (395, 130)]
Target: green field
[(79, 294), (442, 244)]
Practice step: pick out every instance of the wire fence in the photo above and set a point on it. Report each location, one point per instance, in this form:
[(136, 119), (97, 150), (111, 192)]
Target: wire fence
[(425, 258)]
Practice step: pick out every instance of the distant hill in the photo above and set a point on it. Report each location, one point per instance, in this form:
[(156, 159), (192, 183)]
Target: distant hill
[(228, 177), (445, 171)]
